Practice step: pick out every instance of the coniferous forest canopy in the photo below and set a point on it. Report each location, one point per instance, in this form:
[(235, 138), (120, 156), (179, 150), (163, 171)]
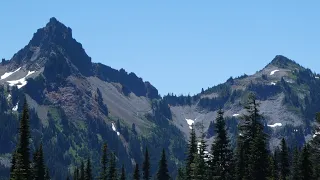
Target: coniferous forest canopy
[(250, 160)]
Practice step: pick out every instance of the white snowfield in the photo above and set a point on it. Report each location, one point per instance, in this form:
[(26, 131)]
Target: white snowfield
[(7, 74), (317, 77), (274, 71), (315, 134), (273, 83), (20, 82), (9, 97), (115, 129), (190, 122), (235, 115), (274, 125), (15, 108)]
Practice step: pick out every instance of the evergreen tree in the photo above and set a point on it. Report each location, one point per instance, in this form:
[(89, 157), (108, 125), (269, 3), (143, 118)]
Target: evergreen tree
[(68, 178), (222, 163), (258, 158), (295, 175), (112, 172), (275, 163), (284, 160), (146, 166), (181, 174), (22, 164), (13, 166), (76, 174), (47, 176), (315, 149), (211, 130), (163, 173), (104, 161), (39, 169), (192, 150), (136, 174), (88, 173), (82, 171), (201, 164), (305, 164), (123, 173)]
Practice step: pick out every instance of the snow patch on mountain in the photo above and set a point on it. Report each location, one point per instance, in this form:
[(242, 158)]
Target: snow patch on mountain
[(15, 108), (235, 115), (274, 71), (317, 77), (115, 129), (273, 83), (20, 82), (7, 74), (275, 125), (9, 97), (315, 134), (190, 122)]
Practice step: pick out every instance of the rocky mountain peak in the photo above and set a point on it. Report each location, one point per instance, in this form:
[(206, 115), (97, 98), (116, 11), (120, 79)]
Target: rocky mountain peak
[(283, 62), (53, 33), (54, 46)]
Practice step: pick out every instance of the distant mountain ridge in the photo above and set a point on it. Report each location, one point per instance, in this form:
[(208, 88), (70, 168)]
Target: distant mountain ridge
[(76, 105)]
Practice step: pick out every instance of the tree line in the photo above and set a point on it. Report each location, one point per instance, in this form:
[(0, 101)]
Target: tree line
[(251, 160)]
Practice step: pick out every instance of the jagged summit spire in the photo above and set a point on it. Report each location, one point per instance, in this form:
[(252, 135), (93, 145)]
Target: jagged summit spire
[(54, 32)]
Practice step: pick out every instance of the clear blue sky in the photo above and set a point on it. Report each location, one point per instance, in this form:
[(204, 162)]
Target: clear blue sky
[(179, 46)]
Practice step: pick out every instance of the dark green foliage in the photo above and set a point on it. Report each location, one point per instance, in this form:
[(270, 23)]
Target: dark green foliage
[(136, 174), (263, 92), (13, 166), (146, 166), (181, 174), (123, 173), (22, 162), (192, 150), (82, 171), (222, 163), (210, 131), (276, 163), (295, 171), (39, 169), (103, 170), (284, 160), (305, 164), (99, 99), (88, 171), (112, 172), (252, 154), (47, 176), (202, 168), (258, 158), (163, 173)]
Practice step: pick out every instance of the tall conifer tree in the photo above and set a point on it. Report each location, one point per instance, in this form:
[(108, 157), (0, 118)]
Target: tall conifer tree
[(146, 166), (222, 162), (163, 173), (192, 150), (88, 173), (284, 160), (104, 161), (112, 172), (306, 169), (136, 173), (123, 173), (82, 171)]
